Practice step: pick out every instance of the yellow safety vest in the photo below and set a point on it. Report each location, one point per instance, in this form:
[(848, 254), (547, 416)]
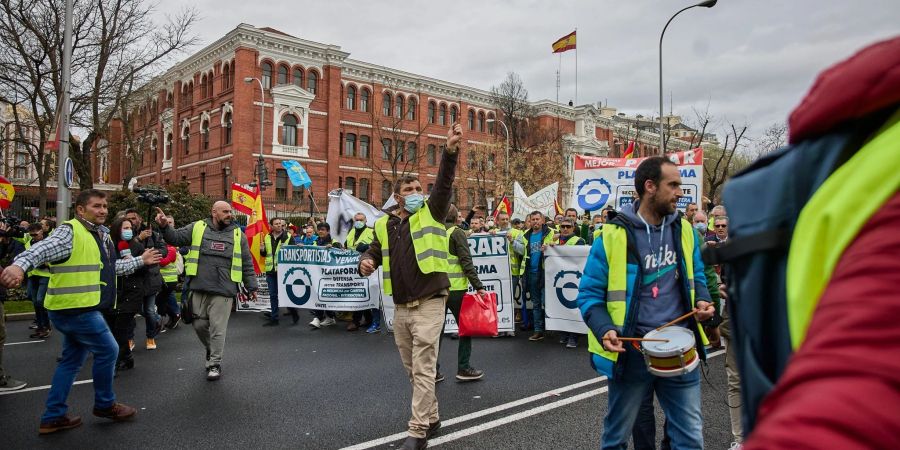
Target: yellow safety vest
[(365, 238), (515, 259), (76, 283), (458, 280), (548, 240), (193, 256), (170, 272), (574, 240), (272, 254), (37, 271), (615, 242), (429, 242)]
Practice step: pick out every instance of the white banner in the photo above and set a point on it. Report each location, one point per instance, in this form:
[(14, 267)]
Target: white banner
[(342, 206), (490, 256), (600, 182), (563, 266), (324, 278), (261, 303), (543, 200)]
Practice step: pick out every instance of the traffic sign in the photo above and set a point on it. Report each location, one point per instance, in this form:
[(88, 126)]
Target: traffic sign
[(70, 173)]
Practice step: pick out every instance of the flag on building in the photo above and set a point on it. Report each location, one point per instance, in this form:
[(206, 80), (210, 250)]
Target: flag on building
[(242, 199), (565, 43), (297, 173), (559, 209), (503, 206), (629, 152), (256, 231), (7, 192)]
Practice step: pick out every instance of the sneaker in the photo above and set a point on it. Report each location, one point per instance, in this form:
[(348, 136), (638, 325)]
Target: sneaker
[(131, 344), (33, 325), (213, 373), (316, 323), (60, 423), (117, 412), (40, 333), (563, 338), (11, 384), (374, 328), (151, 344), (572, 343), (439, 377), (537, 336), (173, 322), (271, 323), (469, 374), (329, 321)]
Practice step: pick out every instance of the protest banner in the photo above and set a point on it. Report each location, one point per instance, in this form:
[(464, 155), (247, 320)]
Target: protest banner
[(563, 266), (324, 278), (261, 302), (542, 200), (490, 256), (601, 182)]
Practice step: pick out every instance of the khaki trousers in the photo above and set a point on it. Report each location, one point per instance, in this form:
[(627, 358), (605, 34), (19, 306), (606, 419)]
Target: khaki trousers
[(734, 380), (211, 313), (417, 330)]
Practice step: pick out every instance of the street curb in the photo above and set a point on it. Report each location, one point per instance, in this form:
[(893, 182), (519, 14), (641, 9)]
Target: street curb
[(20, 316)]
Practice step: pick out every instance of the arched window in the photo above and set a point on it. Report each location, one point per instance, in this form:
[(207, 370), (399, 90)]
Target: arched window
[(398, 151), (431, 112), (298, 77), (186, 140), (454, 114), (399, 105), (154, 149), (471, 117), (167, 149), (226, 73), (203, 86), (363, 193), (312, 79), (442, 115), (266, 75), (386, 149), (351, 97), (350, 184), (289, 130), (386, 191), (190, 93), (411, 151), (204, 129), (387, 99), (364, 147), (432, 154), (226, 130), (170, 100), (411, 109), (350, 145), (364, 100), (209, 85), (490, 123), (480, 121), (282, 75)]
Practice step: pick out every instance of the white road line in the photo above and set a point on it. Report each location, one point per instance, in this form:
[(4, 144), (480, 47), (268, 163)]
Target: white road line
[(503, 420), (24, 342), (41, 388)]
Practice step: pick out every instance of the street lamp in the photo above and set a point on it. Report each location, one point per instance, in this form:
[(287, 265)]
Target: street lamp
[(507, 146), (261, 171), (662, 141)]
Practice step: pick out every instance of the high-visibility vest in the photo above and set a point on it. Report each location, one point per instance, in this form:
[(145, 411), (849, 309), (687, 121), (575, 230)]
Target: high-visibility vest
[(548, 240), (170, 272), (272, 254), (573, 240), (429, 242), (597, 231), (37, 271), (365, 238), (193, 256), (515, 259), (615, 242), (75, 283), (458, 280)]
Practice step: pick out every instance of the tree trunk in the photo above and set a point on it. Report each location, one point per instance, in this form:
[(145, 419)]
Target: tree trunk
[(81, 159)]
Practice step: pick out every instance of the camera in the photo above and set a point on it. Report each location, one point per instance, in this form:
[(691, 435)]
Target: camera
[(152, 196), (13, 230)]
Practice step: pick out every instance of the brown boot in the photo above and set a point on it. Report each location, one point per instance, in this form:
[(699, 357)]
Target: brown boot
[(61, 423), (117, 412)]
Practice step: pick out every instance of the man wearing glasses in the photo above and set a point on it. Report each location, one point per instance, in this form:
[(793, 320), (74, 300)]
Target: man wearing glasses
[(721, 228)]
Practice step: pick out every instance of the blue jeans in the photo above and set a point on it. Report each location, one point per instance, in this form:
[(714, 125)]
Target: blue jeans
[(679, 397), (151, 318), (82, 334), (37, 290), (536, 291)]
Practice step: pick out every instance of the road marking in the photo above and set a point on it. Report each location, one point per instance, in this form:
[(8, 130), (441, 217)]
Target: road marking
[(25, 342), (503, 420), (41, 388)]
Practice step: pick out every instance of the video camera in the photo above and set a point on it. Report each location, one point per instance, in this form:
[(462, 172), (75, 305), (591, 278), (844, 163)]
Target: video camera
[(152, 196), (13, 230)]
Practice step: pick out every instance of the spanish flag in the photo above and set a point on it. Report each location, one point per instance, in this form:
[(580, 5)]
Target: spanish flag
[(256, 231), (7, 192), (629, 152), (503, 206), (242, 199), (565, 43), (559, 209)]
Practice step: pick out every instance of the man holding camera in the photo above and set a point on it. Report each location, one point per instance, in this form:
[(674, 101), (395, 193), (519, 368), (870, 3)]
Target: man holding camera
[(152, 279)]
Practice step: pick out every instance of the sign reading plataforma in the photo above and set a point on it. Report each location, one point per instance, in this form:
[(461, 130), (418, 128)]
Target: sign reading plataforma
[(490, 256), (563, 266), (324, 278), (600, 182)]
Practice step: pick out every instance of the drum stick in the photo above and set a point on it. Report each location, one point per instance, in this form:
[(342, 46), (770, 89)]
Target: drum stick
[(679, 319), (638, 339)]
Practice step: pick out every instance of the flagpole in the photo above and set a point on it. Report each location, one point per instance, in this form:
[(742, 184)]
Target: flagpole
[(576, 66), (63, 196)]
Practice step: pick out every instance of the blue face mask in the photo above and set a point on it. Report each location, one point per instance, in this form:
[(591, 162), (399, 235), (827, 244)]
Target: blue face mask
[(127, 235), (413, 202), (700, 226), (359, 224)]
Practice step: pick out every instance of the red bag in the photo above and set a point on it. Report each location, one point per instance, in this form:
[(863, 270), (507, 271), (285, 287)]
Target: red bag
[(478, 315)]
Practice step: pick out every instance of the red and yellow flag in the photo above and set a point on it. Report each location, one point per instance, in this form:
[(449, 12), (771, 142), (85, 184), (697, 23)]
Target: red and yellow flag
[(257, 229), (503, 206), (242, 199), (565, 43), (7, 192), (559, 209), (629, 152)]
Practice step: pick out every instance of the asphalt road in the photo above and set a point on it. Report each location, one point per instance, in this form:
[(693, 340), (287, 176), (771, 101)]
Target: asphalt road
[(294, 387)]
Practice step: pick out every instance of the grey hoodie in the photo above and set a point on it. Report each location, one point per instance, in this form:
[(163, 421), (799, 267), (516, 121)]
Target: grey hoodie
[(667, 305)]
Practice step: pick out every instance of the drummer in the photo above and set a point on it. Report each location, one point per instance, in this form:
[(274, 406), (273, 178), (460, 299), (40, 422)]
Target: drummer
[(646, 273)]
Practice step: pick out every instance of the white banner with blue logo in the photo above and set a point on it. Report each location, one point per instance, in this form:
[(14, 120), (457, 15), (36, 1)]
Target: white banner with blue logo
[(563, 266), (324, 278), (490, 256), (601, 182)]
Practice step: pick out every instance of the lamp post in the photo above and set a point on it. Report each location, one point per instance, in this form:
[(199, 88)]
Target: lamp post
[(662, 140), (262, 175), (507, 145)]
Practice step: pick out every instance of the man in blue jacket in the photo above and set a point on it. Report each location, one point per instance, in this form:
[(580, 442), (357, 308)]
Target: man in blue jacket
[(646, 272)]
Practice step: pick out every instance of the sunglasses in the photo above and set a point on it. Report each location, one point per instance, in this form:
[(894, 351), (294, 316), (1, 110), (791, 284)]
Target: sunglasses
[(721, 226), (565, 226)]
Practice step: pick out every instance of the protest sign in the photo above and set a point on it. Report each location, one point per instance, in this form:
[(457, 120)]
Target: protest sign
[(542, 200), (563, 268), (324, 278), (261, 302)]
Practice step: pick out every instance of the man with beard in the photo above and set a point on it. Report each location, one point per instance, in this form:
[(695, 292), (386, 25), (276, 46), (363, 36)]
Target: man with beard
[(645, 273)]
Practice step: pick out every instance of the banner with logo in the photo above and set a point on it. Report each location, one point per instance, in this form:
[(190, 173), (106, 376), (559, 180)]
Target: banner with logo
[(601, 182), (543, 200), (563, 266), (261, 302), (324, 278), (490, 256)]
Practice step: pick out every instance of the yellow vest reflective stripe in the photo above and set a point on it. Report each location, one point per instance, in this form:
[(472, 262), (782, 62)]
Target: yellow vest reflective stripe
[(76, 283), (615, 243), (515, 259), (824, 229), (272, 254), (169, 272), (597, 232), (193, 256), (365, 238), (573, 240), (458, 280), (429, 243), (37, 271)]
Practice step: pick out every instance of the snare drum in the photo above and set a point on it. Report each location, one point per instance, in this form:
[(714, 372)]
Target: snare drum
[(673, 358)]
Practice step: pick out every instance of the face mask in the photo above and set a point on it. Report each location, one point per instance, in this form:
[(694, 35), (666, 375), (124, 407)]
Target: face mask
[(700, 226), (127, 235), (413, 202), (359, 224)]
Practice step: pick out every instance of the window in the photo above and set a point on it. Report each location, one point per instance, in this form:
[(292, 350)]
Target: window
[(298, 77), (363, 189), (209, 85), (167, 150), (154, 148), (289, 130), (186, 140), (386, 108), (226, 71), (442, 115), (364, 147), (351, 97), (431, 112), (350, 185), (399, 105), (227, 129), (202, 181), (398, 151), (281, 180), (266, 75), (471, 119), (364, 100), (203, 86), (282, 75), (481, 121), (411, 151), (386, 149), (311, 82), (386, 191), (470, 195), (491, 123), (204, 129), (297, 194), (350, 145), (454, 114), (432, 154), (411, 109), (430, 188)]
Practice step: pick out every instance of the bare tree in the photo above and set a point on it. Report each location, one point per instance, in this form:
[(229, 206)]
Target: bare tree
[(720, 163), (511, 99), (772, 139)]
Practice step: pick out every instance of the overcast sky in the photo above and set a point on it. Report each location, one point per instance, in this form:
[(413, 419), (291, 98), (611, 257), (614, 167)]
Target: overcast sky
[(748, 60)]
